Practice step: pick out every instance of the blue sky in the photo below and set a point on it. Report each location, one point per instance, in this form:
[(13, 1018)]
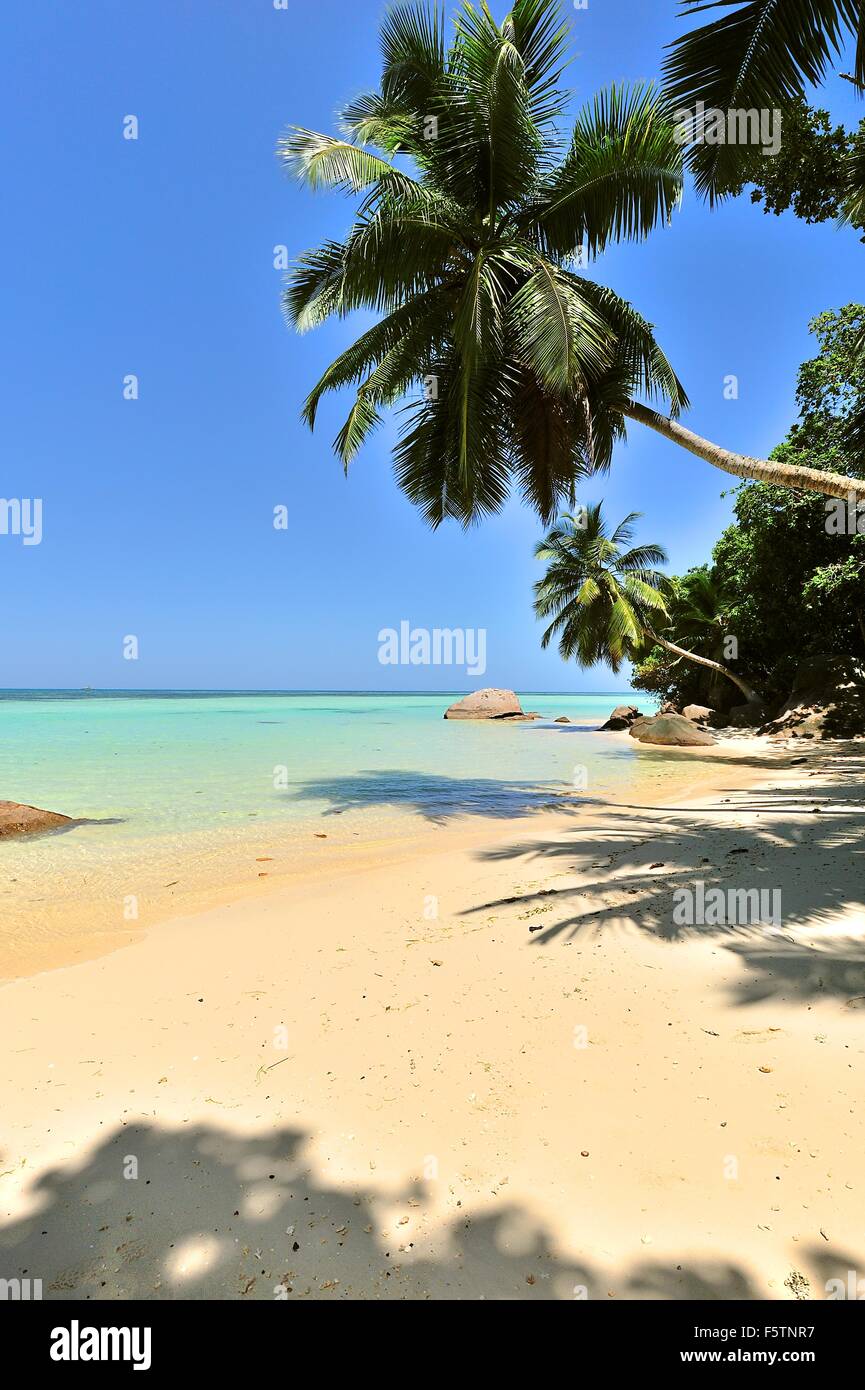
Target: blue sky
[(155, 257)]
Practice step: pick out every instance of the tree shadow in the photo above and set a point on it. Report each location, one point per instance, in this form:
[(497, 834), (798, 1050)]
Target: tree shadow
[(437, 798), (217, 1215), (631, 861), (801, 971)]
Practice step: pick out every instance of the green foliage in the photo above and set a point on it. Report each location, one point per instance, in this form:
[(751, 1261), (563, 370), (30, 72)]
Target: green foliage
[(515, 368), (791, 588), (598, 589), (759, 55), (608, 603), (811, 171), (699, 616), (659, 673)]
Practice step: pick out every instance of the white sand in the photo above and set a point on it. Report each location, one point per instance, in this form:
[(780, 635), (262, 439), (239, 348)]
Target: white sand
[(458, 1106)]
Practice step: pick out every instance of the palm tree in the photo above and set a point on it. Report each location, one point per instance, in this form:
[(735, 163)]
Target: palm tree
[(605, 596), (700, 607), (759, 57), (699, 614), (466, 255)]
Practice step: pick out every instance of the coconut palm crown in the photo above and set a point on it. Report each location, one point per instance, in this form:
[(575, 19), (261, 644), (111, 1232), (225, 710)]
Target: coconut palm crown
[(519, 365), (607, 600), (475, 216), (601, 591)]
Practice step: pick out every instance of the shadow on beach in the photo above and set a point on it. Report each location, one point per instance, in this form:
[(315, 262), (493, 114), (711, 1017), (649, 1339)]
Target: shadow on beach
[(216, 1215), (644, 853), (631, 861), (438, 799)]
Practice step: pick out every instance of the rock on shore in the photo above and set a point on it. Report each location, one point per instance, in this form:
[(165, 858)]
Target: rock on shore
[(16, 819), (699, 714), (670, 729), (827, 701)]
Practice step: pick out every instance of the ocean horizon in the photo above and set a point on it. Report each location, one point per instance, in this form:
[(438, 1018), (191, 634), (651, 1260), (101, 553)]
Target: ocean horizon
[(74, 692)]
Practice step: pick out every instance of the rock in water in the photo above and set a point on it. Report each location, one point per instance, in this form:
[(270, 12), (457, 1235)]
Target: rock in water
[(672, 729), (488, 704), (16, 819), (622, 717)]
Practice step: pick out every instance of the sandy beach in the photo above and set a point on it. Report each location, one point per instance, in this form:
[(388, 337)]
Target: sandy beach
[(488, 1066)]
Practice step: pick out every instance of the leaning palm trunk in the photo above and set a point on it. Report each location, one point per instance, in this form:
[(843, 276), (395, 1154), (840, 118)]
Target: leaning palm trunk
[(765, 470), (750, 694)]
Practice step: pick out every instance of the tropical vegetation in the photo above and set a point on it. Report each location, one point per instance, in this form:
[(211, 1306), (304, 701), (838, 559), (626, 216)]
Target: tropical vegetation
[(789, 572), (759, 56), (607, 601), (810, 173)]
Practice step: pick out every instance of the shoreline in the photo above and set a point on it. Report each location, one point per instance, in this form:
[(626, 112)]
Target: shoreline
[(182, 804), (329, 1094), (273, 855)]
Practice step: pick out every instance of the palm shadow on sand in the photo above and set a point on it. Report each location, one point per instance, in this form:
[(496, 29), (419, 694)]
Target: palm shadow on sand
[(644, 857), (437, 798), (217, 1215)]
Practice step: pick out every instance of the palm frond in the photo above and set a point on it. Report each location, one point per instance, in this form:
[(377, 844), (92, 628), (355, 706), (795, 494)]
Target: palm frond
[(643, 557), (547, 442), (497, 135), (370, 120), (415, 328), (853, 208), (413, 54), (621, 177), (461, 255), (322, 161), (542, 37), (313, 292), (452, 460), (557, 335), (755, 56), (399, 252)]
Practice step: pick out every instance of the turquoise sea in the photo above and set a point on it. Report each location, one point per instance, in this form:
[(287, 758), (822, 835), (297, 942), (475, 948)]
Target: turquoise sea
[(174, 788), (166, 764)]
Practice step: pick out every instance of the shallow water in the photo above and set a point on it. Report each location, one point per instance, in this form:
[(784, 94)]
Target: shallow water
[(169, 765), (178, 789)]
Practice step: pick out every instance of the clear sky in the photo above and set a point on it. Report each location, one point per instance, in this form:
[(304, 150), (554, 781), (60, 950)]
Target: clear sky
[(155, 257)]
